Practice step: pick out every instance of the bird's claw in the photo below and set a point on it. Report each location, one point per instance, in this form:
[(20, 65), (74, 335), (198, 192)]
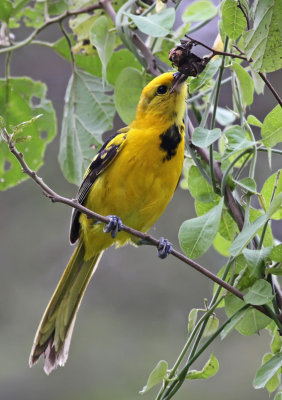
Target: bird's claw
[(164, 248), (114, 226)]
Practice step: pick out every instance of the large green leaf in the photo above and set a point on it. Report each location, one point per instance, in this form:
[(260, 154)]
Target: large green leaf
[(267, 370), (88, 112), (271, 131), (156, 25), (17, 106), (120, 60), (263, 41), (199, 11), (196, 235), (127, 95), (103, 40), (234, 21)]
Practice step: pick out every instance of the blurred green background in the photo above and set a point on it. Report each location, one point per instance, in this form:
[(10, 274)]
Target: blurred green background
[(135, 310)]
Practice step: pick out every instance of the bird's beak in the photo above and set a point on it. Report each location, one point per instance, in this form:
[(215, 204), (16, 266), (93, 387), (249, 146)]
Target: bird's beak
[(178, 80)]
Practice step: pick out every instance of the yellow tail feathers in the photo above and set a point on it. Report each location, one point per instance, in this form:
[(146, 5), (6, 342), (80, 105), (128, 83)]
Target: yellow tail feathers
[(54, 333)]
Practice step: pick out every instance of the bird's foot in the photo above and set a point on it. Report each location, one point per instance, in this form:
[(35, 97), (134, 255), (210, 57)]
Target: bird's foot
[(164, 248), (114, 226)]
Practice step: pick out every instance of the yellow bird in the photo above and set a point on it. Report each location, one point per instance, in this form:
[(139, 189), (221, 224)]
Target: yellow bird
[(132, 179)]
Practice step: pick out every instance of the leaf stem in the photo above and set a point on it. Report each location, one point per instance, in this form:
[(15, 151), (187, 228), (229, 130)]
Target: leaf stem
[(218, 85)]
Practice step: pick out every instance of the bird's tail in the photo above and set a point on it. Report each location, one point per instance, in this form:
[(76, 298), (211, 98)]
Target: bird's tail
[(54, 333)]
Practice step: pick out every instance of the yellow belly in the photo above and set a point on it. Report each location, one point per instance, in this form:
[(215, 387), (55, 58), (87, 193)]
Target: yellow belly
[(137, 187)]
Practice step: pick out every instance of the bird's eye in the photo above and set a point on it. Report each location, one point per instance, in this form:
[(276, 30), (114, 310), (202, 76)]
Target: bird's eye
[(162, 89)]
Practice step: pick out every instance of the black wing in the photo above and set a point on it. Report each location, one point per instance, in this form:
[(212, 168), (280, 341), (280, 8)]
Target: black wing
[(104, 157)]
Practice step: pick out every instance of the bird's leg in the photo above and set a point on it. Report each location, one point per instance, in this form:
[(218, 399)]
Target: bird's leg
[(114, 226), (164, 247)]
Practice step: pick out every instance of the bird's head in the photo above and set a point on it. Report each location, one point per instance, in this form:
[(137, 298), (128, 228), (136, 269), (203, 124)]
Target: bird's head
[(163, 100)]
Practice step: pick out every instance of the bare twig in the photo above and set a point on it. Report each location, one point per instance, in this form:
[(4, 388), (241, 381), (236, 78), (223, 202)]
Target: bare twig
[(56, 198), (147, 54), (102, 4)]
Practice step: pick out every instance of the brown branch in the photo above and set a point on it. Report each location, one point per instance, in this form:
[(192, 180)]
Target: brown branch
[(56, 198), (271, 88), (216, 52), (147, 54)]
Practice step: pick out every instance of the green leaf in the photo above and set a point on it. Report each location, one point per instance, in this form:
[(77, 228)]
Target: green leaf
[(156, 25), (234, 21), (103, 40), (224, 117), (262, 43), (268, 238), (273, 382), (276, 253), (203, 137), (199, 11), (6, 10), (192, 319), (274, 271), (236, 141), (89, 63), (196, 235), (246, 235), (128, 88), (269, 185), (271, 131), (252, 322), (267, 371), (278, 396), (232, 324), (88, 112), (211, 327), (276, 342), (199, 187), (17, 106), (248, 184), (246, 84), (120, 60), (252, 120), (210, 369), (202, 79), (221, 245), (156, 376), (260, 293), (258, 82), (255, 260)]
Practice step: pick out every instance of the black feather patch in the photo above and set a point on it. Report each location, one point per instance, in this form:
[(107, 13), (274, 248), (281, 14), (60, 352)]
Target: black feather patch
[(98, 165), (170, 141)]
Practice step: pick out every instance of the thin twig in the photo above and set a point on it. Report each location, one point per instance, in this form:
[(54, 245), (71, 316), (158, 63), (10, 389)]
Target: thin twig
[(104, 4), (223, 53), (147, 54)]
